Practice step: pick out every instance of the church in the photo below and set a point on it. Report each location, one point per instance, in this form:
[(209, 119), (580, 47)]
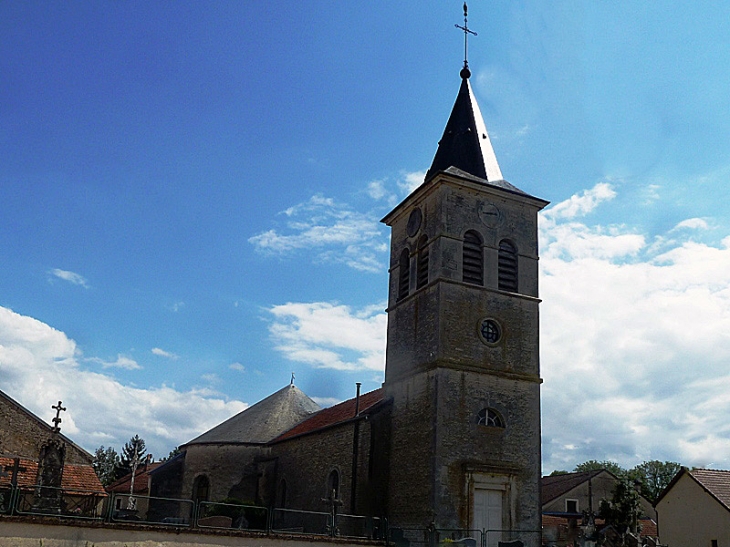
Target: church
[(452, 438)]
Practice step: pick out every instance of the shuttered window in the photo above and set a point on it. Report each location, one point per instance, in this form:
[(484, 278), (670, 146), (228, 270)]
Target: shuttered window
[(403, 274), (507, 266), (473, 259), (422, 275)]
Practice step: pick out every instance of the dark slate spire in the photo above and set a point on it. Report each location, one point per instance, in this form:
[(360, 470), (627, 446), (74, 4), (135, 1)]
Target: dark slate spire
[(465, 143)]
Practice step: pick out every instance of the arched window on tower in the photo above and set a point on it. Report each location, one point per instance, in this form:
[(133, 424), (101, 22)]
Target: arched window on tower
[(422, 275), (404, 270), (333, 485), (473, 258), (490, 418), (507, 266), (201, 487)]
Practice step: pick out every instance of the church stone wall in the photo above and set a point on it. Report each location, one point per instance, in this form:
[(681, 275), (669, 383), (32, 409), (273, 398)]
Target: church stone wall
[(305, 463), (23, 434), (412, 449), (230, 469), (464, 448)]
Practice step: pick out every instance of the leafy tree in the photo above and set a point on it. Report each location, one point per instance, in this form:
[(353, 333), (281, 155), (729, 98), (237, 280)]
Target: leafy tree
[(558, 472), (622, 512), (106, 464), (595, 465), (174, 452), (125, 464), (653, 476)]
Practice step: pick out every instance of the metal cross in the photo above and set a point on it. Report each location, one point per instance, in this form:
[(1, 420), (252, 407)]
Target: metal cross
[(57, 420), (292, 379), (15, 468), (467, 32)]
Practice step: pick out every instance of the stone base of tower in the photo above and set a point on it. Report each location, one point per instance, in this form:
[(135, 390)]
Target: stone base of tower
[(467, 449)]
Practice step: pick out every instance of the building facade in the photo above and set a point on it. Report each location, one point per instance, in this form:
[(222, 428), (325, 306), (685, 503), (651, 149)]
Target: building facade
[(452, 439)]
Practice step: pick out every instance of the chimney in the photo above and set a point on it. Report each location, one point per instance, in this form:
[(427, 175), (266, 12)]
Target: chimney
[(357, 399)]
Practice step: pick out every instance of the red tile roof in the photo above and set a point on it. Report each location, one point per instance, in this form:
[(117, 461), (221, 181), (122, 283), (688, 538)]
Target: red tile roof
[(75, 477), (333, 415), (141, 480), (716, 482)]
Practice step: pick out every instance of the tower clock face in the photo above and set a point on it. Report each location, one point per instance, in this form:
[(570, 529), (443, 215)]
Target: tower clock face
[(489, 331), (490, 215), (414, 222)]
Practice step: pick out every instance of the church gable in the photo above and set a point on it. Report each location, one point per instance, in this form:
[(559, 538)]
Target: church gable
[(24, 433)]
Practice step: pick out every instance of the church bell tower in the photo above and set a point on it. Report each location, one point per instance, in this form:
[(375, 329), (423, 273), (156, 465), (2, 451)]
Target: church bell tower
[(462, 360)]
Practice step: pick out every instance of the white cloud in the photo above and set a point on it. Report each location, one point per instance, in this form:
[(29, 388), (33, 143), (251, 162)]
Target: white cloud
[(121, 362), (71, 277), (692, 224), (580, 205), (410, 181), (40, 366), (340, 233), (163, 353), (326, 335), (634, 352), (237, 366), (325, 402)]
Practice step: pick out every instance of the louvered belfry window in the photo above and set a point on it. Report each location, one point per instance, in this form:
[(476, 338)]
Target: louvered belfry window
[(403, 274), (473, 259), (507, 266), (422, 275)]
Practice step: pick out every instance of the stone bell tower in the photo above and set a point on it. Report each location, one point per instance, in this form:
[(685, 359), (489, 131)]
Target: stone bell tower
[(462, 361)]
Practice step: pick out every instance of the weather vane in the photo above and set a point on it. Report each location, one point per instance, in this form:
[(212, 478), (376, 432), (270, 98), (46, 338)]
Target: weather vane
[(467, 32)]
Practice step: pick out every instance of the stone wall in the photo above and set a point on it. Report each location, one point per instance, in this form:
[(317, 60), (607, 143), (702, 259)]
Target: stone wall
[(231, 470), (32, 533), (306, 463), (23, 433)]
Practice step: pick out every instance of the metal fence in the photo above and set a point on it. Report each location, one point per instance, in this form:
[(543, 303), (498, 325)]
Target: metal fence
[(90, 505)]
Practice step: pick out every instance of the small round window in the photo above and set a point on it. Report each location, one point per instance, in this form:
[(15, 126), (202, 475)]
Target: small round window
[(490, 331)]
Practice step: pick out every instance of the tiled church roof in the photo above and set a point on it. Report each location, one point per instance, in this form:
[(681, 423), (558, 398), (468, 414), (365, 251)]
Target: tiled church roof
[(264, 421), (334, 415), (75, 477), (555, 486)]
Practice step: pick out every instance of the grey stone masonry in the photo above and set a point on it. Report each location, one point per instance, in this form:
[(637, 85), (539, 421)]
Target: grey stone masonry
[(463, 346)]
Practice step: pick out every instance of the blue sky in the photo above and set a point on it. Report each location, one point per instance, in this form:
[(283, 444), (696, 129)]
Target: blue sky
[(190, 196)]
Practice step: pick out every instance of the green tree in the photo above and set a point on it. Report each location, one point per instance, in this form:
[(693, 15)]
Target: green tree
[(174, 452), (622, 511), (558, 472), (125, 460), (595, 465), (106, 464), (653, 476)]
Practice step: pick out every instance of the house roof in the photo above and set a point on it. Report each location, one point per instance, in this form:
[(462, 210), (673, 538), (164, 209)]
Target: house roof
[(715, 482), (43, 425), (262, 422), (465, 143), (555, 486), (75, 477), (141, 479), (334, 415)]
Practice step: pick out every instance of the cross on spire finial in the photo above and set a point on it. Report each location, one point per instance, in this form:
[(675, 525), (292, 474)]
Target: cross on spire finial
[(57, 420), (465, 72)]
